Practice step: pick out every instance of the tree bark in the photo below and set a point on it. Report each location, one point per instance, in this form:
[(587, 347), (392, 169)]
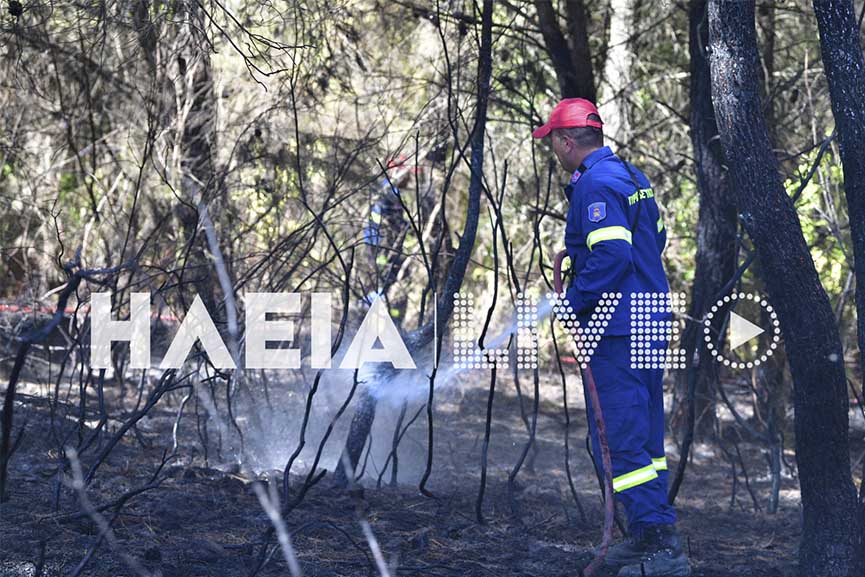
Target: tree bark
[(766, 24), (831, 540), (716, 224), (845, 72), (581, 53), (571, 56), (197, 142)]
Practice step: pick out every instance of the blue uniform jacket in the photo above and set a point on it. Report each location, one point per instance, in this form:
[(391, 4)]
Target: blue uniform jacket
[(614, 236)]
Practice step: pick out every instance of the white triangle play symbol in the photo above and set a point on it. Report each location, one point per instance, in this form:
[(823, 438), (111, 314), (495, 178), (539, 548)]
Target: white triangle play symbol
[(741, 330)]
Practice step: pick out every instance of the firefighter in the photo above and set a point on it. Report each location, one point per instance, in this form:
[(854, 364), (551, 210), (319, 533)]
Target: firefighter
[(614, 237), (385, 228)]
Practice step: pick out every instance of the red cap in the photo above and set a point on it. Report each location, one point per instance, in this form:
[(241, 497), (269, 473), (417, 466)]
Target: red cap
[(569, 113), (396, 161), (400, 163)]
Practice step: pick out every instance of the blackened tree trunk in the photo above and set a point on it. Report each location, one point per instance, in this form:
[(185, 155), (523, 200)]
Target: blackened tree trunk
[(770, 375), (571, 56), (766, 25), (716, 226), (577, 27), (830, 545), (716, 236), (358, 433), (362, 422), (845, 71), (198, 142), (145, 28)]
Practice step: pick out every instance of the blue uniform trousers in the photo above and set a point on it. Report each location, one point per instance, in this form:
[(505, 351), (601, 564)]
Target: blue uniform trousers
[(632, 404)]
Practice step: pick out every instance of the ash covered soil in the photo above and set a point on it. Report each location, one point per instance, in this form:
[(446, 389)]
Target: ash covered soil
[(206, 520)]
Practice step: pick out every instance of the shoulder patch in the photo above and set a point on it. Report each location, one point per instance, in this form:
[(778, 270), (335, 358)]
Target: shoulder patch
[(597, 211)]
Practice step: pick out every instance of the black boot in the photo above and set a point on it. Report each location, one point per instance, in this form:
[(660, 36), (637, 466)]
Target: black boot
[(626, 552), (654, 546), (663, 555)]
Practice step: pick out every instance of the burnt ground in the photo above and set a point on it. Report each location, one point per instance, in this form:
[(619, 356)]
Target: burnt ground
[(207, 521)]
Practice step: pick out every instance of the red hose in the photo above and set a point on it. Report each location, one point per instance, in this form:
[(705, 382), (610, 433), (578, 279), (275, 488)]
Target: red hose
[(591, 388)]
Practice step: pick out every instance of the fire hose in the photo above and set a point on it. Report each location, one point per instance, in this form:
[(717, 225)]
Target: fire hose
[(592, 390)]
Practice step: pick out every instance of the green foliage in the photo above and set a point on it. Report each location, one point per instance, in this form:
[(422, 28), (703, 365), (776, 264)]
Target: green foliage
[(821, 209), (680, 209), (69, 198)]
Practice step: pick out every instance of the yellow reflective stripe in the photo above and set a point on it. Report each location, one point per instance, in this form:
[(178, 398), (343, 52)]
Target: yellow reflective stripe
[(381, 259), (634, 478), (608, 233), (660, 223), (660, 464), (375, 217)]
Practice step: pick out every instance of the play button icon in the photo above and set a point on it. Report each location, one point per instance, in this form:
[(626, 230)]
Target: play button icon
[(742, 331)]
